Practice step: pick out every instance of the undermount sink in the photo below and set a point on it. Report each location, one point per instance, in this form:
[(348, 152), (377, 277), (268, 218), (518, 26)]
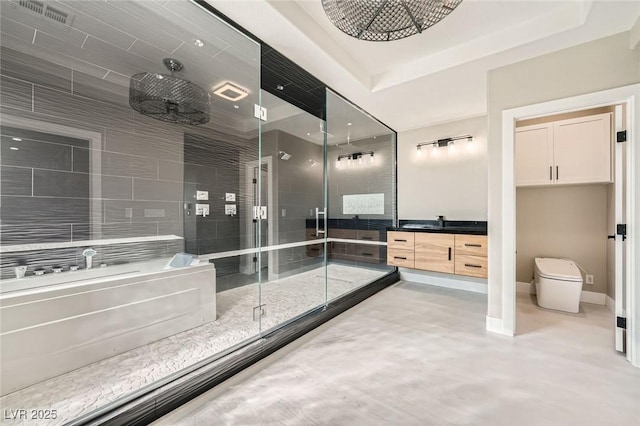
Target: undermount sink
[(422, 226)]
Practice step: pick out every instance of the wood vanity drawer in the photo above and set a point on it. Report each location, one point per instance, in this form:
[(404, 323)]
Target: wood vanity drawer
[(400, 240), (472, 245), (402, 258), (366, 235), (345, 234), (312, 235), (472, 266)]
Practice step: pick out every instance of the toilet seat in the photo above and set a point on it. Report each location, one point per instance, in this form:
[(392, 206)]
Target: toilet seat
[(557, 269)]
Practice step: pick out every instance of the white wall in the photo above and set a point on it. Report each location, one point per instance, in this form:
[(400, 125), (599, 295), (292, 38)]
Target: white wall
[(453, 184), (599, 65)]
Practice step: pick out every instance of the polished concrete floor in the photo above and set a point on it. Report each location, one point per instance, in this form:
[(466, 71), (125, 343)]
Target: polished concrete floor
[(419, 355)]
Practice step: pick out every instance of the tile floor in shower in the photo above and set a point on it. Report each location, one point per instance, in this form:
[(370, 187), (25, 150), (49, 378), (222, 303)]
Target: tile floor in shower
[(83, 390)]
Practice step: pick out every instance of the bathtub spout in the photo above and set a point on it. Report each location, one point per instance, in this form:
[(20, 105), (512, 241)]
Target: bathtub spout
[(88, 257)]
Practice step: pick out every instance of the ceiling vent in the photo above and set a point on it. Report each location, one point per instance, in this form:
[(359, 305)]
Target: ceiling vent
[(45, 10)]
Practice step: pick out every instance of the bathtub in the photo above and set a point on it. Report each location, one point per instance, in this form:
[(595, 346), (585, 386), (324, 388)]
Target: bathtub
[(56, 323)]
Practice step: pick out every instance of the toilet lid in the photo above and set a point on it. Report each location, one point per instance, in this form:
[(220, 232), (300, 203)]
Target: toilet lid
[(558, 268)]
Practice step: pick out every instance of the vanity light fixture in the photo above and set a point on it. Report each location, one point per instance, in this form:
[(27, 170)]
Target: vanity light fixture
[(356, 156), (16, 139), (231, 91), (445, 142)]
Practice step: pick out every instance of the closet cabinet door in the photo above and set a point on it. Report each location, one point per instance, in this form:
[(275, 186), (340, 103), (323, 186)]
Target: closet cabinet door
[(582, 150), (534, 155)]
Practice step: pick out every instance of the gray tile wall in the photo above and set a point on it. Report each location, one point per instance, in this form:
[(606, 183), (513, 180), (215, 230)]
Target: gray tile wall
[(45, 191), (213, 164), (298, 191)]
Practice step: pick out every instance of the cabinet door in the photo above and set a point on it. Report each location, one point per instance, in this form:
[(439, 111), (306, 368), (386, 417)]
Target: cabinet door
[(534, 155), (434, 252), (582, 149)]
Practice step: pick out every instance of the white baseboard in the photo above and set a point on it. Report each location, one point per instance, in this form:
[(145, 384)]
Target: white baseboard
[(496, 325), (593, 297), (475, 285), (585, 296), (611, 304)]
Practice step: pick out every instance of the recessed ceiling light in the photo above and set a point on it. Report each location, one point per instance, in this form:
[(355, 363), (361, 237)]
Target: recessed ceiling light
[(16, 139), (236, 106), (280, 87), (348, 124), (198, 42), (14, 148), (308, 134), (231, 91)]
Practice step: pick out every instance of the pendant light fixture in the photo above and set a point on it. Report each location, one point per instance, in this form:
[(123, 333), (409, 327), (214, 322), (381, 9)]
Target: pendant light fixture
[(386, 20), (169, 98)]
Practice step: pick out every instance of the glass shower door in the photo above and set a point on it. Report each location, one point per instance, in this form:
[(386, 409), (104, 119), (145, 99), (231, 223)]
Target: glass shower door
[(289, 213)]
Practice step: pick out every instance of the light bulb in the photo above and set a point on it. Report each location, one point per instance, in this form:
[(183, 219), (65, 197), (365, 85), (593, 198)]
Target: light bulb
[(420, 151), (371, 158), (451, 147)]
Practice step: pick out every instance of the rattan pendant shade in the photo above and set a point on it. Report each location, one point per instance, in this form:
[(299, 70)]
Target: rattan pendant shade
[(386, 20)]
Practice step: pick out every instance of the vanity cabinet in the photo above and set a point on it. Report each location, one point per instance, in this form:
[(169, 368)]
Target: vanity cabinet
[(347, 251), (459, 254), (571, 151)]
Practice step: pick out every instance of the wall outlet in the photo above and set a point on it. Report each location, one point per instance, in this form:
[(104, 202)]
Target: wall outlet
[(230, 209), (589, 279)]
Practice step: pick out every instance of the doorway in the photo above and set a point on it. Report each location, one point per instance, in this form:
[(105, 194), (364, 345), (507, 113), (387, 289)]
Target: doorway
[(569, 196), (503, 275)]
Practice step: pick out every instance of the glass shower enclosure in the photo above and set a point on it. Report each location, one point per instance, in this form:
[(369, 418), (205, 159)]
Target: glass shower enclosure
[(159, 209)]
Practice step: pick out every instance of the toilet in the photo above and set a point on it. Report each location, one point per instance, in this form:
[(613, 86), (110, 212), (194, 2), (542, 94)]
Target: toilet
[(558, 284)]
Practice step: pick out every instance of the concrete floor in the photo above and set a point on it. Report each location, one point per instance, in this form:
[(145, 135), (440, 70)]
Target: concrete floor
[(419, 355)]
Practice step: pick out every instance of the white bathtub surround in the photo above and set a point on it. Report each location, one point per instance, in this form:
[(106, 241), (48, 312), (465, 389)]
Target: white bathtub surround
[(48, 331), (98, 384), (85, 243)]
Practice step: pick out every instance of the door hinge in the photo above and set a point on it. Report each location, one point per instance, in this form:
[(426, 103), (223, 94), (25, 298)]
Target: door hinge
[(259, 311), (621, 136), (255, 259), (259, 112), (621, 322), (621, 229)]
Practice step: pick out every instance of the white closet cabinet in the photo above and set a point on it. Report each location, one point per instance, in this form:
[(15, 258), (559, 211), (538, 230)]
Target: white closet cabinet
[(564, 152)]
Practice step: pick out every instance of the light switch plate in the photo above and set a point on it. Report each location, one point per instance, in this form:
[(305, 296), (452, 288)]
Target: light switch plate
[(202, 195), (230, 196)]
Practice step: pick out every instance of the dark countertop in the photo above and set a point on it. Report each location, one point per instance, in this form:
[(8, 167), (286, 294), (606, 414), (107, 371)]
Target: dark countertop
[(468, 227)]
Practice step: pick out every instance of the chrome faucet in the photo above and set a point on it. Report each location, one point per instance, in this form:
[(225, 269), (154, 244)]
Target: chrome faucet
[(441, 221), (88, 257)]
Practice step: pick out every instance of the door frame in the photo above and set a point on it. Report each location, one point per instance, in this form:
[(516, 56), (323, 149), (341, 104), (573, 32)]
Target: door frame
[(246, 267), (503, 280)]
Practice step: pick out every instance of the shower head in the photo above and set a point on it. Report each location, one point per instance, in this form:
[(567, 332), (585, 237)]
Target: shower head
[(284, 156)]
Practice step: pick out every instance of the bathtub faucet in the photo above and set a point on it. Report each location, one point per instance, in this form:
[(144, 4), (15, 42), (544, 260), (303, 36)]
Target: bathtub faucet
[(88, 257)]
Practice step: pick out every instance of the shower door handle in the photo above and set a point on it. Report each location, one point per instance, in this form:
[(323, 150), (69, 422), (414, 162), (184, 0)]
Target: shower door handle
[(318, 213)]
